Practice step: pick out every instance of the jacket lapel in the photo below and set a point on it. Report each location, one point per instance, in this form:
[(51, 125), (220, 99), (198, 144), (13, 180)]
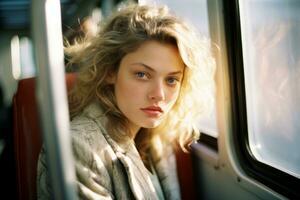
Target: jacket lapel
[(138, 176)]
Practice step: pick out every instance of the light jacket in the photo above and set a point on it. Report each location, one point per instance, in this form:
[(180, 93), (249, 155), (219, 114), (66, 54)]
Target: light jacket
[(106, 169)]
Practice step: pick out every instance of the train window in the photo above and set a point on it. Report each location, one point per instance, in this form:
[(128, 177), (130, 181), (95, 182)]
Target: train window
[(270, 44), (194, 11)]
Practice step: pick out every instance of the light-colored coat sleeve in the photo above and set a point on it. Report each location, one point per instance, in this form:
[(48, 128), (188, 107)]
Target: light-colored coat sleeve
[(93, 179)]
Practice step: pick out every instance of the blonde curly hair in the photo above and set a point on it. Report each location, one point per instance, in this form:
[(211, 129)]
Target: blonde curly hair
[(123, 33)]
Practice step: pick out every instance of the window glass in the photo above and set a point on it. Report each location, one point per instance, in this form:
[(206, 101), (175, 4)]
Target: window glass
[(271, 53), (195, 12)]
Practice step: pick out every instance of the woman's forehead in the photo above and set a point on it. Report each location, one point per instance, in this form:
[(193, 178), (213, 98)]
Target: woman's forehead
[(155, 55)]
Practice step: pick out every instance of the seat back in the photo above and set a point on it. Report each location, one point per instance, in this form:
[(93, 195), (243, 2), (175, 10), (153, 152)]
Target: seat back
[(27, 136), (186, 176)]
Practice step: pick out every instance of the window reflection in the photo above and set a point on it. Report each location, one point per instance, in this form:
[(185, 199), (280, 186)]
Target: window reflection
[(272, 76)]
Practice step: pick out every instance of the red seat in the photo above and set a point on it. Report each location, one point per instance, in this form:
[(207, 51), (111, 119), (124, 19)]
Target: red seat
[(27, 143), (27, 136), (186, 176)]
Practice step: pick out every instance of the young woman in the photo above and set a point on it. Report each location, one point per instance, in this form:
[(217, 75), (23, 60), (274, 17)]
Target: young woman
[(144, 79)]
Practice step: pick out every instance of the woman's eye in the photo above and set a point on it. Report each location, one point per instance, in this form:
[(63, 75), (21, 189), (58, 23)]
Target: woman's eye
[(141, 75), (172, 81)]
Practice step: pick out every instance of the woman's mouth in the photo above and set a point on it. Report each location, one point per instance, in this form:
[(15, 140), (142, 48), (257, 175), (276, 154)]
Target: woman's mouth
[(153, 111)]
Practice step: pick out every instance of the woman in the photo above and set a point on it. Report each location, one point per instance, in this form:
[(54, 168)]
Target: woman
[(141, 80)]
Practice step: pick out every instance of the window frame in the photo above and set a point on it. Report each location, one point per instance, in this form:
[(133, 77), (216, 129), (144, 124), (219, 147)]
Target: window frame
[(273, 178)]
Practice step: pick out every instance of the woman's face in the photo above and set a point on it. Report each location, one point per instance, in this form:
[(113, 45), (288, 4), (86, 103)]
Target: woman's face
[(147, 84)]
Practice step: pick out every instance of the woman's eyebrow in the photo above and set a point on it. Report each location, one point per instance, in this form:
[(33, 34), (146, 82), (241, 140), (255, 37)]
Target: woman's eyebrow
[(175, 73), (144, 65), (151, 69)]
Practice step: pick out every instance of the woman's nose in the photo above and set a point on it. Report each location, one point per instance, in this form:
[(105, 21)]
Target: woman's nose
[(157, 92)]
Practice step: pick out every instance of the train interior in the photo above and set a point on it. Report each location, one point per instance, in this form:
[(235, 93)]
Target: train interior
[(216, 168)]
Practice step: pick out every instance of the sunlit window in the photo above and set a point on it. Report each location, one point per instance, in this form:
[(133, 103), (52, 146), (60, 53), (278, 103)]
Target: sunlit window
[(271, 52)]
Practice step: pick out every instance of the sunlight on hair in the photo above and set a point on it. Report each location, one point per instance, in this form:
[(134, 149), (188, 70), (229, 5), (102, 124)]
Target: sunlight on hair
[(123, 33)]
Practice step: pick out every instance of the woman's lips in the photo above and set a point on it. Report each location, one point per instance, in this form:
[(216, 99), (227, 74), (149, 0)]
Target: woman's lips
[(152, 111)]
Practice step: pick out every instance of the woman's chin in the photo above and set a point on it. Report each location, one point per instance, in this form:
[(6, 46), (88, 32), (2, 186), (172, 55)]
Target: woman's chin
[(151, 124)]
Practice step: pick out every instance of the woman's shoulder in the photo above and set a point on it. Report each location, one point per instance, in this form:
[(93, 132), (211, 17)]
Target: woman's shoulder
[(89, 142), (83, 124), (87, 129), (88, 124)]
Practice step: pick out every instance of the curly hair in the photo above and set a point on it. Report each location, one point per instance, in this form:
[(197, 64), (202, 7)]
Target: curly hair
[(123, 33)]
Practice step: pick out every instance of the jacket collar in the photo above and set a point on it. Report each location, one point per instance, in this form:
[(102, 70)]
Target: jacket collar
[(95, 112)]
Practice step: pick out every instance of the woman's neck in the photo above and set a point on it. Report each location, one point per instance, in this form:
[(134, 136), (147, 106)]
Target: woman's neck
[(134, 129)]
